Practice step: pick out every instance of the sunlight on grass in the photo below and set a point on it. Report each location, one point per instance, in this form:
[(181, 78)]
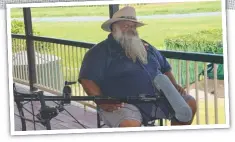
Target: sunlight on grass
[(154, 32), (211, 112)]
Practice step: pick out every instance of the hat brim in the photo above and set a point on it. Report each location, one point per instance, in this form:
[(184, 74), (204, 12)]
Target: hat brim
[(106, 25)]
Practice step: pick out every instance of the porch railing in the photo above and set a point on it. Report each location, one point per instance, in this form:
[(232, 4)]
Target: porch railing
[(58, 60)]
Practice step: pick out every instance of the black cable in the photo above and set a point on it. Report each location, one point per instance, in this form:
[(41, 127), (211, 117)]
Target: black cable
[(33, 116), (27, 110), (74, 117), (25, 103), (30, 120)]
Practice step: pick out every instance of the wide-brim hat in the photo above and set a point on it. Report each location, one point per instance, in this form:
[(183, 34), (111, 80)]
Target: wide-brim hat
[(127, 13)]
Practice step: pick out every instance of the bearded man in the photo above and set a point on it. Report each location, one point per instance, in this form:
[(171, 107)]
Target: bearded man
[(125, 65)]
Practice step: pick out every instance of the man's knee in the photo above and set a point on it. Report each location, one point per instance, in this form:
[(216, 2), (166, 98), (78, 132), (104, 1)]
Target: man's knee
[(191, 101), (130, 123)]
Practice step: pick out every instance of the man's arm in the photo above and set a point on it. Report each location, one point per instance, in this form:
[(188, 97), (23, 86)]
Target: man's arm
[(93, 90), (92, 73), (90, 87), (171, 77), (177, 86)]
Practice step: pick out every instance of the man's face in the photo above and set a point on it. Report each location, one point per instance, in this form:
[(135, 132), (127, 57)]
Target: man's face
[(127, 26), (126, 34)]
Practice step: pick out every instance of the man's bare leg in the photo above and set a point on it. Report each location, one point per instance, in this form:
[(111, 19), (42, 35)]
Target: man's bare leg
[(130, 123)]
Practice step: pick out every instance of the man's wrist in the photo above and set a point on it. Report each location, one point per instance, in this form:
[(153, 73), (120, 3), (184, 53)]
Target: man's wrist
[(176, 85)]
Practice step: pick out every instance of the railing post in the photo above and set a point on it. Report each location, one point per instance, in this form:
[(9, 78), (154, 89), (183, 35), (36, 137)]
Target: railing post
[(30, 47), (112, 9)]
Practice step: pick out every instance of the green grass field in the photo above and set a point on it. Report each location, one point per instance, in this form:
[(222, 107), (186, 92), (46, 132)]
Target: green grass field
[(148, 9), (155, 31)]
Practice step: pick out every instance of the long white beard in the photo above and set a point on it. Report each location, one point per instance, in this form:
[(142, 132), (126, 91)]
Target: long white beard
[(132, 45)]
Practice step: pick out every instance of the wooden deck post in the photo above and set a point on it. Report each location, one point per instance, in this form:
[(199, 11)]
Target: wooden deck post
[(112, 9), (30, 48)]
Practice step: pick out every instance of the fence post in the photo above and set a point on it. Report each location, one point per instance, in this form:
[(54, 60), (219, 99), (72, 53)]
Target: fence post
[(30, 48), (112, 9)]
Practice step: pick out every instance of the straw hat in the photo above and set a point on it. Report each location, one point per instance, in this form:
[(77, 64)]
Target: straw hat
[(126, 13)]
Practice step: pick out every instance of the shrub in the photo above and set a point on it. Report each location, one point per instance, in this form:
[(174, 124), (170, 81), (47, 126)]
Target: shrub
[(206, 41), (17, 27), (203, 41)]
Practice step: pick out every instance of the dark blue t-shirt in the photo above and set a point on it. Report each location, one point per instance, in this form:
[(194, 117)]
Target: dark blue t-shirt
[(118, 76)]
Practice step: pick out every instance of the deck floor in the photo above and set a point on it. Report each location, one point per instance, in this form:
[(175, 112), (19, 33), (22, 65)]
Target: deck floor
[(63, 120)]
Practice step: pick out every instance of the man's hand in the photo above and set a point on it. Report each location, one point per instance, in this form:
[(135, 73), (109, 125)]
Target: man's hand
[(110, 107), (180, 89)]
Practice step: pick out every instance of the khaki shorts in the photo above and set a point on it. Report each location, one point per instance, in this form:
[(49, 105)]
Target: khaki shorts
[(129, 112)]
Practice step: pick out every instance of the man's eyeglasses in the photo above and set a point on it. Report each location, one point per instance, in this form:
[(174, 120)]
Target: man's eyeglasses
[(129, 26)]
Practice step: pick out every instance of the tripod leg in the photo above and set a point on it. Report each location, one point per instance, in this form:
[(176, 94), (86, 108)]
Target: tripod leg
[(48, 125), (43, 106), (21, 114), (98, 118), (161, 122)]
